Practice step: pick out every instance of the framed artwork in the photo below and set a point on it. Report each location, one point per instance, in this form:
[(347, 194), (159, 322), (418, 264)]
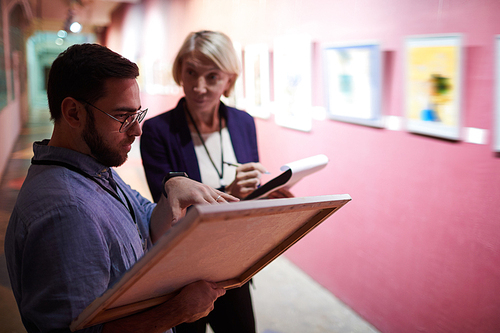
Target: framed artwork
[(353, 82), (257, 83), (292, 81), (434, 66), (496, 144), (156, 77), (236, 98), (226, 244)]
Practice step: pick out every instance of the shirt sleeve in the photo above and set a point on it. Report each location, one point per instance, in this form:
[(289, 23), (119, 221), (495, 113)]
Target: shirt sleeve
[(65, 266)]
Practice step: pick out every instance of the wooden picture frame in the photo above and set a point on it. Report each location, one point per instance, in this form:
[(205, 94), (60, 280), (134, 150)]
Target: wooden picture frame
[(226, 244), (434, 72)]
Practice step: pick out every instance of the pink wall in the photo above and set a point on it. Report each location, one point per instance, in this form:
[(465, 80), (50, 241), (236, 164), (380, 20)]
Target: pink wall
[(15, 113), (418, 248)]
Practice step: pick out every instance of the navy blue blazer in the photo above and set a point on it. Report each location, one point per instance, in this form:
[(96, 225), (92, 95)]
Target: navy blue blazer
[(166, 144)]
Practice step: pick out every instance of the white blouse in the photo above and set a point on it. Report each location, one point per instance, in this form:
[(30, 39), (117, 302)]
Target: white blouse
[(209, 175)]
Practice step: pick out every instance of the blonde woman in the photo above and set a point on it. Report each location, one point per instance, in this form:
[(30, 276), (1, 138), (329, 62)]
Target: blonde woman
[(211, 142)]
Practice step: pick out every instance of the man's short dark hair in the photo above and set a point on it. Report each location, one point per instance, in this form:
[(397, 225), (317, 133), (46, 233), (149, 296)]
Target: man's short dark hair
[(81, 72)]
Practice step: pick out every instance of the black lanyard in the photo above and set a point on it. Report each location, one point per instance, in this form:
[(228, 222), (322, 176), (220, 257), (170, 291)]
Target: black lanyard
[(220, 174), (128, 206)]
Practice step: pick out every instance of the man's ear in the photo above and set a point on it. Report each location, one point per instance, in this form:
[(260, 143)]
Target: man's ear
[(73, 112)]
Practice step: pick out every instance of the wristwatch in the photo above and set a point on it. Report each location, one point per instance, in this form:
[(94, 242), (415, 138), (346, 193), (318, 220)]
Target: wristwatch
[(169, 175)]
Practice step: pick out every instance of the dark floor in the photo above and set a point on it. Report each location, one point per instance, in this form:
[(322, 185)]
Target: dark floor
[(286, 300)]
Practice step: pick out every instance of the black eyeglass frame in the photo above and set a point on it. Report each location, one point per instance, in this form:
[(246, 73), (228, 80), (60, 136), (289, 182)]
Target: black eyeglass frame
[(139, 116)]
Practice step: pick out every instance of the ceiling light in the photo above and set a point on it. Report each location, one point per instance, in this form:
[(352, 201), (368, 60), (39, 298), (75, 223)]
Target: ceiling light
[(75, 27)]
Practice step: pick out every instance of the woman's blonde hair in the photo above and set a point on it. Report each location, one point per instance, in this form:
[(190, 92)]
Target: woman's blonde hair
[(213, 45)]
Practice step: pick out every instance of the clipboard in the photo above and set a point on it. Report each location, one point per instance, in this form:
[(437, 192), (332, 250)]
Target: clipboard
[(227, 244), (291, 174)]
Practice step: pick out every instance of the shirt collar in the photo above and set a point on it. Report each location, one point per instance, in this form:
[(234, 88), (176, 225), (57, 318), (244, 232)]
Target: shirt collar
[(86, 163)]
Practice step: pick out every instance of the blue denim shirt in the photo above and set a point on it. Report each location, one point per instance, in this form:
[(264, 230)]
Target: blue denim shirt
[(68, 239)]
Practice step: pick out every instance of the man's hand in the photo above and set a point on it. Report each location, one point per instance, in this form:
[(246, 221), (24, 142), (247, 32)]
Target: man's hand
[(182, 192), (247, 179), (193, 302), (196, 300)]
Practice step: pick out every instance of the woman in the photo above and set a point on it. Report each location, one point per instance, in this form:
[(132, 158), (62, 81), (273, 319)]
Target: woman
[(212, 143)]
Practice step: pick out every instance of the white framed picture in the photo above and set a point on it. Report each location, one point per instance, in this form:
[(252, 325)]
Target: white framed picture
[(496, 143), (236, 98), (353, 82), (292, 56), (257, 81)]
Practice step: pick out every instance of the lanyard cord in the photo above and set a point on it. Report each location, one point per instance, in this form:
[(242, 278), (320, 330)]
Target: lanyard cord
[(113, 194), (220, 174)]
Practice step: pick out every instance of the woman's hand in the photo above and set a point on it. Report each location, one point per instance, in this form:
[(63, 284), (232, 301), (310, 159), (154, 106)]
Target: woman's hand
[(280, 194), (247, 179)]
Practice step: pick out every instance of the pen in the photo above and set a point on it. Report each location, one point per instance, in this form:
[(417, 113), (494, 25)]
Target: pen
[(232, 164), (238, 164)]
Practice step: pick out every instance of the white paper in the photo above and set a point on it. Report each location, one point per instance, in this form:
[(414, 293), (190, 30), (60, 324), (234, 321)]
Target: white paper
[(304, 167)]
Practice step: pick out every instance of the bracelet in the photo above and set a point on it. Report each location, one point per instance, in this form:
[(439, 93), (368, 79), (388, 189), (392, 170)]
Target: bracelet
[(169, 175)]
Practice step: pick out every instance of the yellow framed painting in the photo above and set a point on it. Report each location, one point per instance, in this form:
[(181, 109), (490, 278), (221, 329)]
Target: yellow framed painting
[(433, 84)]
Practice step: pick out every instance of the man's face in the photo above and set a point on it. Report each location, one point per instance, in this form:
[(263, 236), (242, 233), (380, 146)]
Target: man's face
[(101, 133)]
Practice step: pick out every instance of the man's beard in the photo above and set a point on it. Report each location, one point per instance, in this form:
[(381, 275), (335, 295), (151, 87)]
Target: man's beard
[(98, 148)]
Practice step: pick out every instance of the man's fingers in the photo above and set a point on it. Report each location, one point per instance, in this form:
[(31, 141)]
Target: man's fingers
[(221, 197), (177, 214)]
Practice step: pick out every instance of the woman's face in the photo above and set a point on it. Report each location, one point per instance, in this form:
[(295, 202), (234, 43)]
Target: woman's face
[(203, 83)]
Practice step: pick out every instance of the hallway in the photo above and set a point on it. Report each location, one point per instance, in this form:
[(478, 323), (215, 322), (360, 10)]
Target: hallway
[(286, 300)]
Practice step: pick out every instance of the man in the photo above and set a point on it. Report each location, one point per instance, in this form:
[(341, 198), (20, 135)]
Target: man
[(77, 227)]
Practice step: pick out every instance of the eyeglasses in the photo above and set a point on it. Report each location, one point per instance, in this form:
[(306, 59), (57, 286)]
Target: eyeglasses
[(139, 116)]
